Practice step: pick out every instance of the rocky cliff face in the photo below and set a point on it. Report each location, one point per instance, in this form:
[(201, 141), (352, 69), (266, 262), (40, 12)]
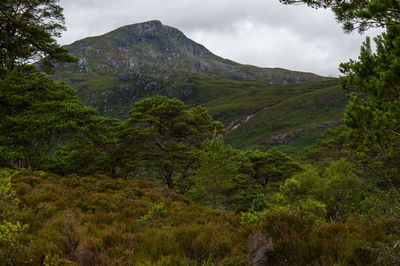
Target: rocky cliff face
[(137, 49)]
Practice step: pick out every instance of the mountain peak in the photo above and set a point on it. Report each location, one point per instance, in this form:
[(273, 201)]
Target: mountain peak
[(147, 43), (148, 26), (150, 22)]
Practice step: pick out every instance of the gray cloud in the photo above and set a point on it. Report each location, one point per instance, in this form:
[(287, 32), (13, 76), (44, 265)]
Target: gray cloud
[(259, 32)]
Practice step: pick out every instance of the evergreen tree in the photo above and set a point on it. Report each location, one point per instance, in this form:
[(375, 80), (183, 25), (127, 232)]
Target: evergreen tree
[(373, 113), (163, 137), (358, 14), (271, 167), (27, 33), (38, 117), (372, 117), (218, 177)]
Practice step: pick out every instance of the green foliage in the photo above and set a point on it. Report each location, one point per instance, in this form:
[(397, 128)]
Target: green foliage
[(27, 32), (218, 175), (163, 137), (271, 167), (332, 146), (373, 114), (42, 124), (91, 151), (333, 193), (370, 137), (252, 217), (361, 15), (10, 228), (158, 210)]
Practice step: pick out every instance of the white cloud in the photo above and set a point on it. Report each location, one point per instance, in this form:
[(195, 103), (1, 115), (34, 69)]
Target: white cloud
[(259, 32)]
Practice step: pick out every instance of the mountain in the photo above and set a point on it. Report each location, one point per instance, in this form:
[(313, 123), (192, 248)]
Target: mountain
[(150, 58), (118, 68)]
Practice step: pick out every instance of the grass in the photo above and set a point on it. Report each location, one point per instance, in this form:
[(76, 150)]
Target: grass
[(298, 147), (292, 116)]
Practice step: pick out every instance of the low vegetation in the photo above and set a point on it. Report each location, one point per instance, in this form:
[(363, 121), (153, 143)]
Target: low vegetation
[(97, 220)]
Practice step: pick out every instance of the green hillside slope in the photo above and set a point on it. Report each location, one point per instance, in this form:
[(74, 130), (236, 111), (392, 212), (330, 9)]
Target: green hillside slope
[(292, 124)]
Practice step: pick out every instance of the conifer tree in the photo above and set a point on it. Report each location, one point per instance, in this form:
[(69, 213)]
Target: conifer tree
[(162, 137), (358, 14), (219, 173), (373, 113), (372, 117), (39, 116), (27, 33)]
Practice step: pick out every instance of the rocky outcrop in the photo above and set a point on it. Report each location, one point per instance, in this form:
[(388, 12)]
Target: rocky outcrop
[(237, 123), (281, 139), (83, 65), (291, 136)]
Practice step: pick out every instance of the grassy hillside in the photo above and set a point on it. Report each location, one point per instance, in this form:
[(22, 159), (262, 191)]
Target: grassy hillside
[(293, 123)]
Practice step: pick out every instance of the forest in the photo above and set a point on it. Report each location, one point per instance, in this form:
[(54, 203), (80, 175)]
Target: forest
[(162, 188)]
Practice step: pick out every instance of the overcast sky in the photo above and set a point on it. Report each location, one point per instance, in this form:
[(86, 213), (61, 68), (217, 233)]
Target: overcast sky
[(264, 33)]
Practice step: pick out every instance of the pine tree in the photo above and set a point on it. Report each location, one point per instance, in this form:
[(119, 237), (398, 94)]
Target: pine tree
[(373, 113), (27, 33), (39, 116), (372, 117), (162, 137), (358, 14), (219, 173)]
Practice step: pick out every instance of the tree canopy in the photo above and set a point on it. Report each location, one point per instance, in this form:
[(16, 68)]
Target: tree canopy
[(358, 14), (27, 33), (163, 136), (39, 116), (373, 113)]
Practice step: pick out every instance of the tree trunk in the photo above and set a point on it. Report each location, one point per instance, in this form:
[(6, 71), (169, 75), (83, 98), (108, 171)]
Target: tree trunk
[(168, 179), (22, 164), (265, 185), (214, 200)]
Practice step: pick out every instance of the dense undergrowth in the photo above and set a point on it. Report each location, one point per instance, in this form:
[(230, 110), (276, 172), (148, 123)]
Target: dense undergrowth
[(97, 220)]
